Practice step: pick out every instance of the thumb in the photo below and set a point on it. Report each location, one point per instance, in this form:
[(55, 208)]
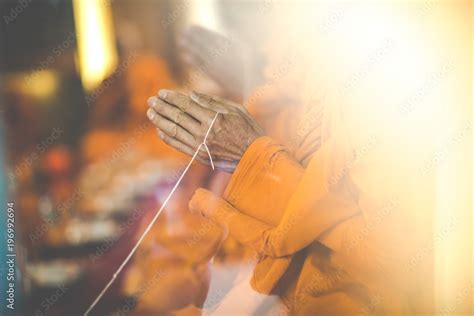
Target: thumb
[(208, 102), (216, 103), (203, 202), (207, 204)]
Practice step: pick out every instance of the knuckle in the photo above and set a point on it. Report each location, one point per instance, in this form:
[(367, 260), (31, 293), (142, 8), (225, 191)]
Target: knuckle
[(189, 103), (166, 139), (159, 124), (195, 143), (174, 115), (200, 133), (212, 102), (158, 106), (155, 120)]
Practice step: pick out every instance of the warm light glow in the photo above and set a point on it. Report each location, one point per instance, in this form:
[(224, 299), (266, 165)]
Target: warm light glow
[(42, 84), (204, 13), (95, 41)]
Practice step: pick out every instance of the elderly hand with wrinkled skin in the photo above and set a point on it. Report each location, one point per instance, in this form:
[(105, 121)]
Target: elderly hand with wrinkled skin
[(182, 122)]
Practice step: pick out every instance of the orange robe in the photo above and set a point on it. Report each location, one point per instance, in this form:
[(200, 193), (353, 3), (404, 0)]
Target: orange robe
[(333, 220), (342, 216)]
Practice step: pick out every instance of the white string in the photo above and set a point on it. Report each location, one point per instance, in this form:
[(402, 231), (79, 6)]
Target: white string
[(205, 139), (134, 249)]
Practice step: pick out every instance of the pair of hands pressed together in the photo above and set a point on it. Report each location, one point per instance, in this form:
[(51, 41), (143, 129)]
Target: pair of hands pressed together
[(182, 122)]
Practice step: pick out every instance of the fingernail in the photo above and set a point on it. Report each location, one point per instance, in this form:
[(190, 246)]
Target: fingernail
[(152, 101), (151, 114), (194, 96), (161, 134), (163, 93)]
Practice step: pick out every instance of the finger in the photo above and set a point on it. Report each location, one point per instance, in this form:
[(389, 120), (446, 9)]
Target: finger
[(187, 105), (198, 63), (207, 204), (204, 38), (201, 157), (205, 44), (171, 129), (175, 115), (176, 144), (192, 54), (192, 37), (196, 57), (216, 103), (208, 102), (189, 44)]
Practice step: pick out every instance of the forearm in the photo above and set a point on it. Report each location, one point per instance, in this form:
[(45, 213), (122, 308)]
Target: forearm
[(298, 203)]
